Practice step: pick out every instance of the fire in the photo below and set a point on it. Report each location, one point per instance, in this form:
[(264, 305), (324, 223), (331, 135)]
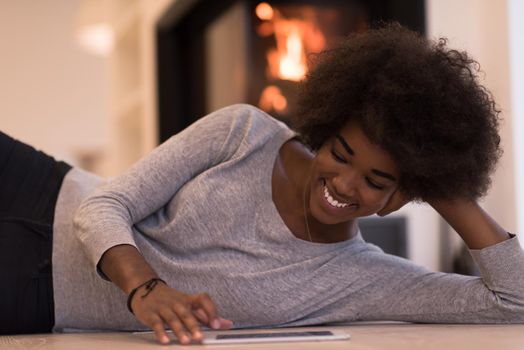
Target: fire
[(288, 60), (292, 65), (295, 38)]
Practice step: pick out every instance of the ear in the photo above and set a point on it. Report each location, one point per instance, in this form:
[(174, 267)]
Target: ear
[(394, 203)]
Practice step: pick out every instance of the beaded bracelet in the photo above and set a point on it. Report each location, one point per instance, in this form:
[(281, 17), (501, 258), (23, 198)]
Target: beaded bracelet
[(150, 285)]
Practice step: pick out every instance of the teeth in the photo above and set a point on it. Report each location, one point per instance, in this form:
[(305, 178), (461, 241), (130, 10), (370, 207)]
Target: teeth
[(333, 201)]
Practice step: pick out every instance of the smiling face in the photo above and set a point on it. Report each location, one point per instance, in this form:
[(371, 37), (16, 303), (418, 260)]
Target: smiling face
[(350, 177)]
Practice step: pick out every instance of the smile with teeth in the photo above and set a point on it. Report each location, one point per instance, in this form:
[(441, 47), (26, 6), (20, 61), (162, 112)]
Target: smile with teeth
[(333, 202)]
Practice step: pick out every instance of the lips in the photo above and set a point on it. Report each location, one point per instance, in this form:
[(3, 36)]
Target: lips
[(332, 202)]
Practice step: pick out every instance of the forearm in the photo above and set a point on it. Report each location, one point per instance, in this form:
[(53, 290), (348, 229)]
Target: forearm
[(126, 267), (471, 222)]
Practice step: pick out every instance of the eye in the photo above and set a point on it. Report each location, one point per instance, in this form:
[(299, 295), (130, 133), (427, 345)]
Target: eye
[(338, 158), (373, 184)]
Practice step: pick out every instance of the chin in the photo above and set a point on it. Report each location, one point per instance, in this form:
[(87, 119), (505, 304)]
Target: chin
[(327, 219)]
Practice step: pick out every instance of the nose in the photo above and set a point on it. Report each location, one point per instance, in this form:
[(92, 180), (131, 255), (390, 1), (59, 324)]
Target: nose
[(345, 185)]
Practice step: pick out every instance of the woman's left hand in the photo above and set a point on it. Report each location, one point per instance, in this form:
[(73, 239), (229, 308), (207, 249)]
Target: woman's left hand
[(395, 202)]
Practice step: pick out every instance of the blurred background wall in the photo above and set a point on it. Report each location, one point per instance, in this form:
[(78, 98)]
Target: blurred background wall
[(53, 94)]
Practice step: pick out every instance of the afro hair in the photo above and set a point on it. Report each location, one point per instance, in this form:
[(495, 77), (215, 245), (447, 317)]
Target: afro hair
[(417, 99)]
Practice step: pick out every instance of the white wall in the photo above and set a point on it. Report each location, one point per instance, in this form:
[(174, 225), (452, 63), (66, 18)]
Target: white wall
[(53, 95), (481, 28), (516, 40)]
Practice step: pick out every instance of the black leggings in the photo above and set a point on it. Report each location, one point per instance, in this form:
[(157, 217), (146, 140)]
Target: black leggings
[(29, 184)]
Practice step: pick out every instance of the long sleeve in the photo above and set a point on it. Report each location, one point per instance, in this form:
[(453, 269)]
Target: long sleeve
[(403, 291), (105, 218), (364, 284)]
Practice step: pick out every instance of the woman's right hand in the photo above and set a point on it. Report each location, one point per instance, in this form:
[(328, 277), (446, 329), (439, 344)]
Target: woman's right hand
[(162, 306), (182, 313)]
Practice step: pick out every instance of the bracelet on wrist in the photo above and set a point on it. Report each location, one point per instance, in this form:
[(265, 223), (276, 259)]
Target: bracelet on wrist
[(149, 284)]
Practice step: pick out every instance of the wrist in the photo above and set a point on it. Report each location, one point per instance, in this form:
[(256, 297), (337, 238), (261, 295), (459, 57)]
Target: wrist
[(137, 281), (125, 266), (148, 285)]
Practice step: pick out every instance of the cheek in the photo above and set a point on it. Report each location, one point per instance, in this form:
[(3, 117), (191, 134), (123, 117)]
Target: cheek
[(322, 159), (322, 165), (375, 200)]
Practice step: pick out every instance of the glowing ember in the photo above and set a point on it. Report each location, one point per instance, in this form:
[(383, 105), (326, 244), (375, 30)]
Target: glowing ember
[(265, 29), (264, 11), (272, 99)]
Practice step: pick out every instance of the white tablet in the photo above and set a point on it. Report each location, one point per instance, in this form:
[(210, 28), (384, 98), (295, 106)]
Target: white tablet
[(267, 336)]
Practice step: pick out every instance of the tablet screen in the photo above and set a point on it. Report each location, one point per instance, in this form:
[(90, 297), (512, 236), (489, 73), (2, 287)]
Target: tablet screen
[(273, 335)]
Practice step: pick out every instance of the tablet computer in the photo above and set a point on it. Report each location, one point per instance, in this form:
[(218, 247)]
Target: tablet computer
[(267, 336)]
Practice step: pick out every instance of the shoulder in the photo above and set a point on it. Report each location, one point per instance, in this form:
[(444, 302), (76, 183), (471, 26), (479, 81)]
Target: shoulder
[(243, 123), (246, 116), (233, 130)]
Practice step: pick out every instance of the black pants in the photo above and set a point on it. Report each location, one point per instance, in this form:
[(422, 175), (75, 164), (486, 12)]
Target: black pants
[(29, 185)]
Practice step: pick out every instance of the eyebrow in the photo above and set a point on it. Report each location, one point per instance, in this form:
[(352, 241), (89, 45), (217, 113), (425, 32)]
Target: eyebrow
[(345, 144), (351, 152)]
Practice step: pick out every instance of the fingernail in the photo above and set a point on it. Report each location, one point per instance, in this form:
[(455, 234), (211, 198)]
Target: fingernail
[(165, 339), (215, 324), (198, 335), (201, 313), (184, 339)]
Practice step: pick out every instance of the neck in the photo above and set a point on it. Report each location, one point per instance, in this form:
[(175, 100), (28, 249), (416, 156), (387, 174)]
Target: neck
[(323, 233)]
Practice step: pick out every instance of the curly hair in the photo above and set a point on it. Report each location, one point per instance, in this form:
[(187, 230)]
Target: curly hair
[(415, 98)]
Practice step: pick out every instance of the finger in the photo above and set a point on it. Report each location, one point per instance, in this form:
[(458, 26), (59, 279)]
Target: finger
[(399, 203), (158, 327), (174, 323), (204, 302), (383, 212), (395, 202), (188, 321), (201, 315), (225, 324)]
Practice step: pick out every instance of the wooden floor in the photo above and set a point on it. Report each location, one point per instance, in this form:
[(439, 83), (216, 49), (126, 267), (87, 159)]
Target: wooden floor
[(363, 337)]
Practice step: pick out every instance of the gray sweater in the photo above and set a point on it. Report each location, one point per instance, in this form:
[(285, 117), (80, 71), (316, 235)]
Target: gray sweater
[(199, 209)]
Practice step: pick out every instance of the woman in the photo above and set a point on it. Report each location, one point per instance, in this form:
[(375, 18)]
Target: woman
[(263, 219)]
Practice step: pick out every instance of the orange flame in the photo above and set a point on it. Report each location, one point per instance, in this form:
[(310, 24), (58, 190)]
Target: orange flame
[(292, 65), (294, 39)]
